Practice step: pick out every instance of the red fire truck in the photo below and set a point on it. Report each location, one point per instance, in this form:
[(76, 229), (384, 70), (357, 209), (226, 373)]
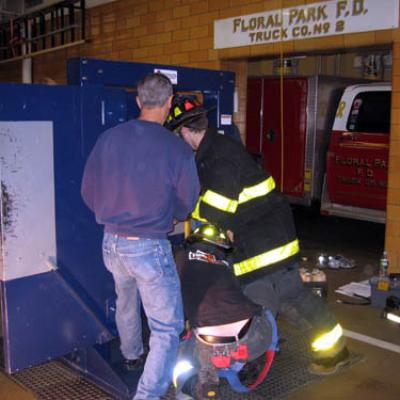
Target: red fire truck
[(325, 141)]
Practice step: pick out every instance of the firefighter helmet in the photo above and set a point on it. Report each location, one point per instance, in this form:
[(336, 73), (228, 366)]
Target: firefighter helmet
[(183, 109), (210, 234)]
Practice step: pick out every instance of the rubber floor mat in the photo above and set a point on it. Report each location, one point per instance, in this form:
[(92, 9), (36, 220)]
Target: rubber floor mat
[(288, 373), (56, 381)]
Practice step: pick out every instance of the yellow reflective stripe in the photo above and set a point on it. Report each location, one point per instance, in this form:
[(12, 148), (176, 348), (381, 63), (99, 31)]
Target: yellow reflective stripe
[(226, 204), (229, 205), (261, 189), (267, 258), (221, 202), (196, 211), (327, 340)]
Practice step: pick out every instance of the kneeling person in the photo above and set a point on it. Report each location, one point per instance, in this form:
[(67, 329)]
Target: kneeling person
[(228, 327)]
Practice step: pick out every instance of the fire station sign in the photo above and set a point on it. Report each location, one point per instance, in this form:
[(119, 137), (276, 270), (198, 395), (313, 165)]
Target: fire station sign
[(308, 21)]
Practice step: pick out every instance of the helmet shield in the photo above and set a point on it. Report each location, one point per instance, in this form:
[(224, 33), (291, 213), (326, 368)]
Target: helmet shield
[(210, 234)]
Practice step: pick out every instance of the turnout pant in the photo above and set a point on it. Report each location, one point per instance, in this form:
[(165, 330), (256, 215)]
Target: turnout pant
[(284, 293)]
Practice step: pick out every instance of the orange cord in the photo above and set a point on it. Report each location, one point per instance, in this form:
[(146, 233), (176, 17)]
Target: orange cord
[(281, 105)]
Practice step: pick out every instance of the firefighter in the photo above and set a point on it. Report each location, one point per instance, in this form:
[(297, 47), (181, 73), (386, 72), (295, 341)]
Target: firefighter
[(240, 196), (228, 329)]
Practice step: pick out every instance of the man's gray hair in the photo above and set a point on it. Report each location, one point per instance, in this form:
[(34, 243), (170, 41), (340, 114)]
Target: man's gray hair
[(154, 90)]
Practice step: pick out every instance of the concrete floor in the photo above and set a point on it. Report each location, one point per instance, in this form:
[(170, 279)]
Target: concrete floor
[(10, 390), (377, 376)]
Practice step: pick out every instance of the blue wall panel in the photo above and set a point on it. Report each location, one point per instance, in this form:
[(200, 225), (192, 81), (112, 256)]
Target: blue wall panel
[(217, 87), (78, 237), (46, 318)]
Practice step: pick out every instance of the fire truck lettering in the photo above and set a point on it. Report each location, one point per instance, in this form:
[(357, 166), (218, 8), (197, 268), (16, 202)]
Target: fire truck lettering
[(348, 180), (359, 172), (364, 162), (380, 163), (353, 162), (374, 183)]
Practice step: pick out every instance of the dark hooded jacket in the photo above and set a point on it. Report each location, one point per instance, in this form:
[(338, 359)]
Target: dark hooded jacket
[(238, 194)]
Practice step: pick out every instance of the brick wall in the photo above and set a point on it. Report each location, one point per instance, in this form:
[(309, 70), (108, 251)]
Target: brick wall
[(240, 69), (392, 242), (178, 32), (11, 72)]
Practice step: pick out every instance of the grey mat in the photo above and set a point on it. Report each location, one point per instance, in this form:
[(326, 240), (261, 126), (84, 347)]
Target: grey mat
[(288, 373), (55, 381)]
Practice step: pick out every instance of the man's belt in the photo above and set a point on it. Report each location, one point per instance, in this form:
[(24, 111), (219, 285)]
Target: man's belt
[(226, 339)]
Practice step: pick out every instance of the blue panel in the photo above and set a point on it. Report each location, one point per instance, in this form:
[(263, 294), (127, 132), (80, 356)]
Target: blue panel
[(216, 86), (46, 319), (86, 71), (78, 237), (101, 109)]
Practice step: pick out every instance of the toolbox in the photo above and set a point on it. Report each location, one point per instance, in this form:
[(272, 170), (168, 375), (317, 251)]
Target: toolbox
[(378, 297)]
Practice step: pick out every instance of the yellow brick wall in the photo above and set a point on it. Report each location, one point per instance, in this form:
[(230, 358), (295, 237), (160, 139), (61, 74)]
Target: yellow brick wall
[(178, 32), (181, 32), (11, 72), (240, 69), (392, 242)]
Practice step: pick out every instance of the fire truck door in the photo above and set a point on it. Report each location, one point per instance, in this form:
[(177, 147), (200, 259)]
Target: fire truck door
[(357, 161), (286, 164)]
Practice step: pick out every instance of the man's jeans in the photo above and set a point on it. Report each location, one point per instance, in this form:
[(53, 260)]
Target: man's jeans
[(144, 272)]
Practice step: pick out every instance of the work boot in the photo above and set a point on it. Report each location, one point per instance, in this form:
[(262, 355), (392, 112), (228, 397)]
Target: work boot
[(329, 366), (207, 391), (134, 365)]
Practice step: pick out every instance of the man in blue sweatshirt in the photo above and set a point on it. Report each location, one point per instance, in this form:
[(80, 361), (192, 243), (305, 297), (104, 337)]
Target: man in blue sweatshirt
[(138, 179)]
